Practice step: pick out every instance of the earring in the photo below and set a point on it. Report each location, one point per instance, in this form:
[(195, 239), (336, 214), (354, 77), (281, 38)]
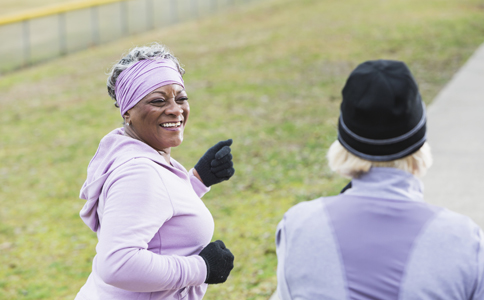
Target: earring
[(127, 123)]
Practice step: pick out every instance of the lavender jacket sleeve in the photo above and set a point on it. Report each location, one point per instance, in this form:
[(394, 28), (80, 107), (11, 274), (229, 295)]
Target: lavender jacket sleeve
[(136, 204), (197, 185), (479, 294), (282, 287)]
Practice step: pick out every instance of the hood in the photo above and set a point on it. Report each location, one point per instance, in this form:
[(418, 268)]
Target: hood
[(114, 150)]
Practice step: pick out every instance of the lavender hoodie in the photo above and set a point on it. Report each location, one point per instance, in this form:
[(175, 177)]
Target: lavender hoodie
[(379, 241), (150, 223)]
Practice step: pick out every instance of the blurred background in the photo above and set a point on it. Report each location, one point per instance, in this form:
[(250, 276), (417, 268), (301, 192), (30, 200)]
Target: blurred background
[(265, 73)]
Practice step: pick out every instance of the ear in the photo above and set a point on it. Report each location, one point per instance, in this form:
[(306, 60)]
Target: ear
[(126, 117)]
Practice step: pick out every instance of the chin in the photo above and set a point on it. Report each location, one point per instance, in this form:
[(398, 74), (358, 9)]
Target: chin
[(176, 143)]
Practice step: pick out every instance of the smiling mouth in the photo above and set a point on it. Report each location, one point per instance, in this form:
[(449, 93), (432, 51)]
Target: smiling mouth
[(171, 125)]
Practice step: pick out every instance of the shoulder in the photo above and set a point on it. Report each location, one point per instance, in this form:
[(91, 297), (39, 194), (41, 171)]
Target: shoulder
[(446, 230), (450, 246), (455, 225), (138, 165), (308, 213), (309, 208), (138, 179), (136, 171)]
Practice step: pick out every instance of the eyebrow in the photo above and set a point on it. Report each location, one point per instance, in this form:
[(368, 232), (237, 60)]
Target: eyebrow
[(164, 94)]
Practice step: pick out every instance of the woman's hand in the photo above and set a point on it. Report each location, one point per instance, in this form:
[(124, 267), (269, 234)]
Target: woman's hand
[(219, 260), (216, 164)]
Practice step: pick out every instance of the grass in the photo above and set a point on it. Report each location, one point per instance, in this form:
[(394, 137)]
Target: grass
[(267, 75)]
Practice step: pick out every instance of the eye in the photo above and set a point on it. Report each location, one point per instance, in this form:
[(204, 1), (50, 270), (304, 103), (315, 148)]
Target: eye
[(182, 99), (158, 100)]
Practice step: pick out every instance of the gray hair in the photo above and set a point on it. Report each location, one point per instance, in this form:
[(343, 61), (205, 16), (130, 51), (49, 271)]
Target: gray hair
[(134, 55)]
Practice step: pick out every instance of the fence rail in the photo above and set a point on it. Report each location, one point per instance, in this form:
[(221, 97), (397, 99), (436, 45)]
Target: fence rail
[(41, 34)]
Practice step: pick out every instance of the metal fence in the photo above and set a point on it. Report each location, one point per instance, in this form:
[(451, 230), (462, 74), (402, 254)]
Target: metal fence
[(47, 33)]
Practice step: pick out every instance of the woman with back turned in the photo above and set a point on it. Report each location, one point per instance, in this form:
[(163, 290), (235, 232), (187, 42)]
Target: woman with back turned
[(379, 240), (153, 229)]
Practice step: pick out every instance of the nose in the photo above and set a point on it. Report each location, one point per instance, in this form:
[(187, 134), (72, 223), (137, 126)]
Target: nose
[(174, 108)]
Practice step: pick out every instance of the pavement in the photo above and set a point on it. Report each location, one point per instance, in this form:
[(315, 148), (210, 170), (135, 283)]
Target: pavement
[(455, 128), (456, 136)]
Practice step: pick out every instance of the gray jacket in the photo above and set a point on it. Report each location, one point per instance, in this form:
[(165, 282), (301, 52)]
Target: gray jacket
[(379, 240)]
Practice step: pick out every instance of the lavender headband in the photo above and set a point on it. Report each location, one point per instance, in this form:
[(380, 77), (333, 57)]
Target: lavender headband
[(141, 78)]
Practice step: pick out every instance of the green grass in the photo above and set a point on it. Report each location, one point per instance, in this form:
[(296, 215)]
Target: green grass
[(268, 75)]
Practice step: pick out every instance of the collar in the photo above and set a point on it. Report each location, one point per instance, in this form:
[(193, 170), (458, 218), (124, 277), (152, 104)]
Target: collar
[(387, 183)]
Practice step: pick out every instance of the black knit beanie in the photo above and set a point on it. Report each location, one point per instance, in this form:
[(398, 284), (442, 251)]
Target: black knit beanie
[(382, 113)]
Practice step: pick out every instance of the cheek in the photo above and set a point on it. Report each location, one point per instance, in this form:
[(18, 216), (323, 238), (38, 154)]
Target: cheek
[(142, 114), (150, 116), (186, 111)]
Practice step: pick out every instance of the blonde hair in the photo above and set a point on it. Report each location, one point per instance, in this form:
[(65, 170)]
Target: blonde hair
[(346, 164)]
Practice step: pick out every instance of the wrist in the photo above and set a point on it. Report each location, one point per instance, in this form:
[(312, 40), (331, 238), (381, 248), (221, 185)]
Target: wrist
[(195, 173), (203, 268), (207, 268)]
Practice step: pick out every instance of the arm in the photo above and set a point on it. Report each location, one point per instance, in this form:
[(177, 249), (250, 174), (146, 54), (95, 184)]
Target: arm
[(197, 183), (282, 288), (136, 206), (479, 292)]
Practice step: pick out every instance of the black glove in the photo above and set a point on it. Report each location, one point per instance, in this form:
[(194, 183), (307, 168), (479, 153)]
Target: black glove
[(219, 260), (216, 164)]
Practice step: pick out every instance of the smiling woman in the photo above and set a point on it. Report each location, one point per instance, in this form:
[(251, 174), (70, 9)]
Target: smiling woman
[(150, 118), (153, 229)]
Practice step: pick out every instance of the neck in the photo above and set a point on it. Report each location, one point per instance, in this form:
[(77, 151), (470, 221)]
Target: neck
[(390, 183), (166, 156)]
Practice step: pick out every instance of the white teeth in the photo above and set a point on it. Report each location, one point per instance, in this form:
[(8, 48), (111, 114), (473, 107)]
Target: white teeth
[(171, 124)]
